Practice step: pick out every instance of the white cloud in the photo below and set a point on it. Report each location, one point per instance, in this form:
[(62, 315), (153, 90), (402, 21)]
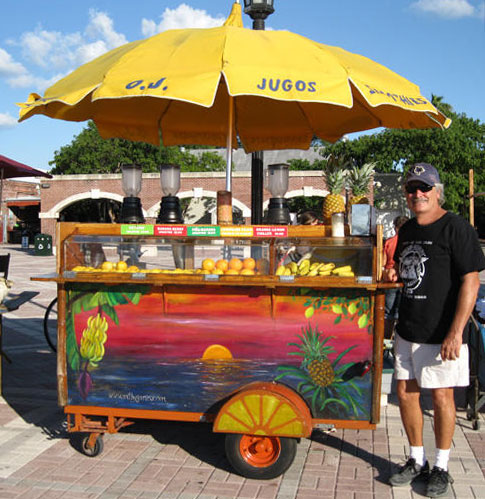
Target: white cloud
[(53, 49), (183, 16), (8, 67), (451, 9), (101, 26), (7, 121)]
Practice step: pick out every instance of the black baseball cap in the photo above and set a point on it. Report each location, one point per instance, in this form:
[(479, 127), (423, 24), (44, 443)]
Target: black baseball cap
[(423, 172)]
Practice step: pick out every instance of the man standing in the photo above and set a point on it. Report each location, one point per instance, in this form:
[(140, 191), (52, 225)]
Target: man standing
[(438, 258)]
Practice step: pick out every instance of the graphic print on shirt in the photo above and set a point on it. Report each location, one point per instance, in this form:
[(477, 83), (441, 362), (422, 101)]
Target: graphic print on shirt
[(411, 267)]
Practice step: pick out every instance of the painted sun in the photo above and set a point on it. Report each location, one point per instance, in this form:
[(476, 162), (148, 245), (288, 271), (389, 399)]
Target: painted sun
[(217, 352)]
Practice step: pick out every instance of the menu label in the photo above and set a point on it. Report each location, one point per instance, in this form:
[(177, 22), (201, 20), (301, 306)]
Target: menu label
[(170, 230), (204, 231), (137, 230), (270, 231), (236, 231)]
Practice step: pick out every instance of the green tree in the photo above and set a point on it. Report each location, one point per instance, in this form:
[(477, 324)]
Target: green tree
[(453, 151), (89, 153)]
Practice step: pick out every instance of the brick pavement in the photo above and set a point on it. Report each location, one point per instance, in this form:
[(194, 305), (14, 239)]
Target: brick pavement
[(183, 460)]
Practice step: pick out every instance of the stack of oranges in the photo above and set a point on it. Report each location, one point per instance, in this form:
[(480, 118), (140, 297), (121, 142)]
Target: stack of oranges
[(234, 266)]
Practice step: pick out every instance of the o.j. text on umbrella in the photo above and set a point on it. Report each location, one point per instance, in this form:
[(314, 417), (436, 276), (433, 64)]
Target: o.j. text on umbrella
[(138, 83), (287, 85)]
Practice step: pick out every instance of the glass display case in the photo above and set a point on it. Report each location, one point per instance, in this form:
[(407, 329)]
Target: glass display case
[(150, 255), (325, 257), (279, 259)]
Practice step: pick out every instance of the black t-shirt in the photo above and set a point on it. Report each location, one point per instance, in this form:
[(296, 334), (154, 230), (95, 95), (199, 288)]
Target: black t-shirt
[(432, 258)]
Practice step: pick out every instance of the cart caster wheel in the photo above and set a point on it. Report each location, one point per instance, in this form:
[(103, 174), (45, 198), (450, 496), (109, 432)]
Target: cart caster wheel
[(259, 456), (92, 451), (476, 424)]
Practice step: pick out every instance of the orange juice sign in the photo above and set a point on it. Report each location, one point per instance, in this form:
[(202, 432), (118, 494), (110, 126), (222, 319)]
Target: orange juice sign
[(269, 231)]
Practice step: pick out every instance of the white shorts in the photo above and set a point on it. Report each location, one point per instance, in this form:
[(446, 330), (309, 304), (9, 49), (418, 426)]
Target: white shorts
[(423, 362)]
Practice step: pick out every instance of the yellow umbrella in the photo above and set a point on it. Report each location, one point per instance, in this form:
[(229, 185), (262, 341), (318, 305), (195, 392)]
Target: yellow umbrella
[(270, 89)]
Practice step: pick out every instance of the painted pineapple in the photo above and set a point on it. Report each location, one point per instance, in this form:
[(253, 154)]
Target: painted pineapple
[(334, 175), (315, 358), (358, 181)]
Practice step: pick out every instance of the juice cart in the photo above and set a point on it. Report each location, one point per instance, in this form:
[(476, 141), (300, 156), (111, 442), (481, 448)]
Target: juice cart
[(266, 332)]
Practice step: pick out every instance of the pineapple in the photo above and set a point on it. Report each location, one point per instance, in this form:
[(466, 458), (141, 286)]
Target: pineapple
[(334, 176), (359, 179), (315, 358)]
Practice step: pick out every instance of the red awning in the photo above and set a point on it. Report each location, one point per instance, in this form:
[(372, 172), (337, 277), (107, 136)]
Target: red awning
[(32, 202)]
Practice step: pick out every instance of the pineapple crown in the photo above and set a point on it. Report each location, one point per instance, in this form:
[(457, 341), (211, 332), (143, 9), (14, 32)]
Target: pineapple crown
[(359, 178), (335, 172)]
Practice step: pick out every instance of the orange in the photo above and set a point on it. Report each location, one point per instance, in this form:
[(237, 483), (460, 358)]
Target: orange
[(249, 263), (121, 265), (247, 272), (231, 272), (108, 266), (208, 264), (217, 271), (222, 265), (235, 264)]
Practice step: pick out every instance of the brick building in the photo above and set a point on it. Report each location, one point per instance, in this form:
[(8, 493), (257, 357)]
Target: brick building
[(64, 190), (17, 197)]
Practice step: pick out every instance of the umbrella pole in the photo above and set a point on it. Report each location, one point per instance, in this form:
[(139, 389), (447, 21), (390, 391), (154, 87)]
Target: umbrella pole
[(224, 198), (229, 144)]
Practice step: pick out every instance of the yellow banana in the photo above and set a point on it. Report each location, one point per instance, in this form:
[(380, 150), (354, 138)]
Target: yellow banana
[(305, 263), (280, 270), (345, 268)]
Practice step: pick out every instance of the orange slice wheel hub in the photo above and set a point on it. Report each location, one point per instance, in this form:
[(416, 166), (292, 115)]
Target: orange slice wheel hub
[(260, 451)]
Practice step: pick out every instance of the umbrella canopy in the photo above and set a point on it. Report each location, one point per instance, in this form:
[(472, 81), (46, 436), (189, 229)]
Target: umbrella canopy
[(11, 169), (270, 89)]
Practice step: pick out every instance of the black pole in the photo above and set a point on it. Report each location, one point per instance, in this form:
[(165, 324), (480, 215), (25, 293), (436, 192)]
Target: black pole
[(257, 165), (257, 188)]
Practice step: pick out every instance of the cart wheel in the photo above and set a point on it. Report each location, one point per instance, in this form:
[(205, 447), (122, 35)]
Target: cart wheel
[(50, 325), (259, 456), (96, 449), (476, 424)]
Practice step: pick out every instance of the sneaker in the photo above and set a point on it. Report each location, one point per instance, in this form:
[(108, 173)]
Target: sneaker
[(408, 473), (438, 483)]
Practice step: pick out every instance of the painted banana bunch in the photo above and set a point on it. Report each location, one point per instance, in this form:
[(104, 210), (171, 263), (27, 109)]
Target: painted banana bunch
[(93, 340)]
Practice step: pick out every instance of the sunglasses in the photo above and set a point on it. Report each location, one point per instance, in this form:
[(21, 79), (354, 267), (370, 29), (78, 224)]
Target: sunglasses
[(413, 188)]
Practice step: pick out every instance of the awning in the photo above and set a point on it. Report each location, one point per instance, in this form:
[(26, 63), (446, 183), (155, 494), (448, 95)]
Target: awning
[(32, 202)]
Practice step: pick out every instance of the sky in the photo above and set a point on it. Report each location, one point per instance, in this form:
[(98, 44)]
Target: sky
[(437, 44)]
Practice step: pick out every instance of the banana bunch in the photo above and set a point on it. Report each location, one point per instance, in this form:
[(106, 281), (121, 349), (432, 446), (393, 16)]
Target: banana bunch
[(93, 340), (306, 268), (345, 271)]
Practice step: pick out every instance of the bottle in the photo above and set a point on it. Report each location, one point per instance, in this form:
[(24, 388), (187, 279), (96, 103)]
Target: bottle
[(338, 225)]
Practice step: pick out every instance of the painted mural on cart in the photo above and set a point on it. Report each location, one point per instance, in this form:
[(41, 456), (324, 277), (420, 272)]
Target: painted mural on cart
[(187, 349)]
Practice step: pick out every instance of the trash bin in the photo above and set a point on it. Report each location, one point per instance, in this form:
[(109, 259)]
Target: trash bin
[(43, 245), (25, 240)]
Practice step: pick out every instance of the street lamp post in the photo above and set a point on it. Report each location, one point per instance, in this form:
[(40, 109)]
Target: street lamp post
[(258, 10)]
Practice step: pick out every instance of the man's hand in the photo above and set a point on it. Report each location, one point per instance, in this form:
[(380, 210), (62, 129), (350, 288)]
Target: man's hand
[(390, 275), (450, 348), (467, 296)]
